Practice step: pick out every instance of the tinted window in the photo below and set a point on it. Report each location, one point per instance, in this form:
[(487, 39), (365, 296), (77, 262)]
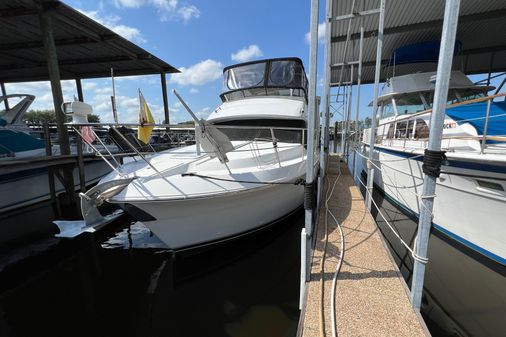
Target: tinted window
[(421, 129)]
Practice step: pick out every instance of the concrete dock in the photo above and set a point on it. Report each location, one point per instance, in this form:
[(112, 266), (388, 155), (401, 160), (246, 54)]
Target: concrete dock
[(371, 297)]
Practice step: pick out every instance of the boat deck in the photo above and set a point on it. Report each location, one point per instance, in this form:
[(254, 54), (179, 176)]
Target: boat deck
[(371, 297)]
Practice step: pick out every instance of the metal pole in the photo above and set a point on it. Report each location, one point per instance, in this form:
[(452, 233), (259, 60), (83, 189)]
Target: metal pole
[(79, 88), (113, 98), (80, 162), (163, 79), (450, 22), (348, 116), (324, 142), (4, 93), (485, 127), (375, 103), (335, 137), (313, 54), (359, 82)]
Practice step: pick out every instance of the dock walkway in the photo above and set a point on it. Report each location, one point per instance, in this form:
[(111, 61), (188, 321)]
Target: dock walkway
[(371, 297)]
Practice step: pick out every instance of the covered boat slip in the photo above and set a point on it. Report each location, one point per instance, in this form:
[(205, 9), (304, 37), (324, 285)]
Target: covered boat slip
[(47, 40), (366, 45)]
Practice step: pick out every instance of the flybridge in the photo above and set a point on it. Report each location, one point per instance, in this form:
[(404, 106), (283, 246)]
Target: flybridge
[(272, 77)]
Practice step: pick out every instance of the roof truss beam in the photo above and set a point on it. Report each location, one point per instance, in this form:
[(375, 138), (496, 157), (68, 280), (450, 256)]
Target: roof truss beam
[(424, 25), (58, 42), (356, 15)]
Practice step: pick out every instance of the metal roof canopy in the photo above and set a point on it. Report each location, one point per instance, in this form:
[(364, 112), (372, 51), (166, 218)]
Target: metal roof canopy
[(85, 48), (481, 30)]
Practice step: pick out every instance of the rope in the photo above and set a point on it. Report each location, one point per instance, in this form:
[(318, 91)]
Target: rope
[(297, 182), (413, 254)]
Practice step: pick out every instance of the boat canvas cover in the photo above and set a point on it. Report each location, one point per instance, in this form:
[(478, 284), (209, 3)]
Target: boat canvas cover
[(475, 114), (14, 141)]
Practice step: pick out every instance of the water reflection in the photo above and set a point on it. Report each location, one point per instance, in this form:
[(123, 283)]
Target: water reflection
[(125, 282)]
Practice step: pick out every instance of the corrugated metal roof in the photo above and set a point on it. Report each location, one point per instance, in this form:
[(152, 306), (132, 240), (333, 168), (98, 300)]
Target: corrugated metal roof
[(85, 48), (482, 31)]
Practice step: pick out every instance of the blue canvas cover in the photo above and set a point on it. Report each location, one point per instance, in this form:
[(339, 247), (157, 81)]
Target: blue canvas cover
[(15, 141), (420, 52), (470, 112)]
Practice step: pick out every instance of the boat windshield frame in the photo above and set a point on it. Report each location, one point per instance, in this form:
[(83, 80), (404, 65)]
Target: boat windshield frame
[(265, 85)]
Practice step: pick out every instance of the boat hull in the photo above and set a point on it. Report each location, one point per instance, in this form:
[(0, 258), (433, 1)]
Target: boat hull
[(198, 221), (463, 210), (27, 187)]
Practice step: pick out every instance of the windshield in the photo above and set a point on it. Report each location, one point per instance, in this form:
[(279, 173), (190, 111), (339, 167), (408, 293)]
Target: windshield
[(278, 77), (247, 76)]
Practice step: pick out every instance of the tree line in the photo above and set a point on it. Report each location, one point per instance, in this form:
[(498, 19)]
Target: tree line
[(48, 116)]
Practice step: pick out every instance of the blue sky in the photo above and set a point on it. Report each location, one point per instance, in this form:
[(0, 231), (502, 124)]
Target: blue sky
[(199, 38)]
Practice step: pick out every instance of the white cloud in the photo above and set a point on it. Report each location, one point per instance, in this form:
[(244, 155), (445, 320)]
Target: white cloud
[(186, 13), (112, 22), (247, 53), (167, 9), (198, 74), (194, 91), (128, 3), (321, 34)]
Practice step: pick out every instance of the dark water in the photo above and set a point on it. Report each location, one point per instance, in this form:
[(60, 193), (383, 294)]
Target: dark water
[(123, 281), (464, 292)]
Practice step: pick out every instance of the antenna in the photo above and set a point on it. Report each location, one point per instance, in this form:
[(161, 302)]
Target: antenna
[(113, 98)]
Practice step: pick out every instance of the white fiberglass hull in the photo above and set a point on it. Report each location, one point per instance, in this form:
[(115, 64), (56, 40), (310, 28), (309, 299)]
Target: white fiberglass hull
[(463, 209), (196, 199), (187, 223), (27, 187)]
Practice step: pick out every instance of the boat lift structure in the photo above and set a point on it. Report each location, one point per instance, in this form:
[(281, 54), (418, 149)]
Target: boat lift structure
[(361, 36), (49, 40)]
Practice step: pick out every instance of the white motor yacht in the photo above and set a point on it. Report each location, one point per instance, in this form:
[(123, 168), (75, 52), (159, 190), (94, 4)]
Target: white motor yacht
[(470, 203), (245, 172)]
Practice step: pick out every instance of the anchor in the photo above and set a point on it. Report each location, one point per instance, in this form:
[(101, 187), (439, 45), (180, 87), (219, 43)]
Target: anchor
[(92, 219)]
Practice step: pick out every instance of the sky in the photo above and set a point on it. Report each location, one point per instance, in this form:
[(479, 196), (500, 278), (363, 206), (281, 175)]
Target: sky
[(198, 37)]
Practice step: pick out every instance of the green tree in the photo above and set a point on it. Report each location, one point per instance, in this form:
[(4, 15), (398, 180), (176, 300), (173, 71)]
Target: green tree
[(39, 116), (42, 116)]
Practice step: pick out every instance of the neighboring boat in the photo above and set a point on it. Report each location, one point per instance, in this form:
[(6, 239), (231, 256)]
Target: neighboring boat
[(470, 203), (247, 175), (20, 188)]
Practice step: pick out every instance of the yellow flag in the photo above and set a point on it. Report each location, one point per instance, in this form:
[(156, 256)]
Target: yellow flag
[(145, 117)]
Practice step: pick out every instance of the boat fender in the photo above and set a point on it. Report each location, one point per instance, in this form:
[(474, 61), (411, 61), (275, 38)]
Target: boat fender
[(309, 195), (432, 161)]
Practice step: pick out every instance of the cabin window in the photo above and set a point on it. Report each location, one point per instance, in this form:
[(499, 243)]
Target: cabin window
[(388, 110), (456, 95), (391, 128), (421, 130), (409, 103)]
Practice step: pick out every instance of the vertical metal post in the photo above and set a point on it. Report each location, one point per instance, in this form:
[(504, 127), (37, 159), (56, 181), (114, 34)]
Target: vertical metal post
[(163, 80), (335, 137), (313, 54), (303, 261), (485, 127), (359, 82), (324, 142), (450, 22), (79, 88), (4, 93), (348, 117), (80, 162), (372, 134)]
